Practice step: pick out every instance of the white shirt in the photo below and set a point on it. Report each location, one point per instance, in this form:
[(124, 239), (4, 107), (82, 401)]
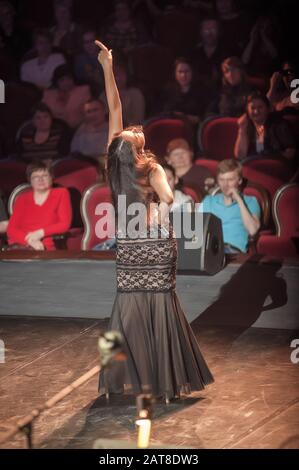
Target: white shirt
[(41, 74)]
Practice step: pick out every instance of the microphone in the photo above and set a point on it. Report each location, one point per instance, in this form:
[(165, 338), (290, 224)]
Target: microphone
[(110, 346)]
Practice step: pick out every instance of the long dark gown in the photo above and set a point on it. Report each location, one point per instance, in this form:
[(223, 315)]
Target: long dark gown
[(163, 357)]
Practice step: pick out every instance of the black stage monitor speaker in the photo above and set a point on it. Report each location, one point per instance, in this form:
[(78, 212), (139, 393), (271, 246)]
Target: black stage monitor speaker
[(209, 256)]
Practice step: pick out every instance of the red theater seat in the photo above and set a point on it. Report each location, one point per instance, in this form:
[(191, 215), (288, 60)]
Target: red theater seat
[(76, 173), (285, 213), (159, 131), (190, 192), (93, 196), (208, 163), (217, 137), (271, 183), (272, 167)]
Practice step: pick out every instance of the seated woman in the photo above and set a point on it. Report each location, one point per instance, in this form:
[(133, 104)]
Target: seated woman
[(231, 100), (262, 133), (40, 213), (66, 100), (44, 137), (180, 157), (183, 96)]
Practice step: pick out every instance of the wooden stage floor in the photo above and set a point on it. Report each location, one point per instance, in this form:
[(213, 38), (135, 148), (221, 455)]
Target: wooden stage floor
[(254, 402)]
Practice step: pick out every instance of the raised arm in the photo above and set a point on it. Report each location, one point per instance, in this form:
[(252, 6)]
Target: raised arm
[(113, 99)]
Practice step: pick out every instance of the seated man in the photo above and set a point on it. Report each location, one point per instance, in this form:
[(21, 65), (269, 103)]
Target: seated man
[(239, 214), (40, 213), (91, 138)]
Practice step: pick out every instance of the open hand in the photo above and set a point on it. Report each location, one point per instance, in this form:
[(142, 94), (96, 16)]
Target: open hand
[(105, 55), (37, 245)]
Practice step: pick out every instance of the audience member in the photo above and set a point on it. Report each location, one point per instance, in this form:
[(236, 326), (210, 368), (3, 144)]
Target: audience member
[(180, 157), (262, 133), (3, 218), (132, 99), (181, 201), (281, 89), (91, 138), (231, 100), (261, 52), (239, 214), (40, 213), (40, 69), (66, 100), (184, 96), (43, 138), (124, 31), (87, 70), (66, 34)]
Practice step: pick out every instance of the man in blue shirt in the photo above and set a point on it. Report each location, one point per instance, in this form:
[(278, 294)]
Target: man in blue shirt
[(239, 214)]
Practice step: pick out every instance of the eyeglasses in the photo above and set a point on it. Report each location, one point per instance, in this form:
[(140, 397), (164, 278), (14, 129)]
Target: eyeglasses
[(39, 177)]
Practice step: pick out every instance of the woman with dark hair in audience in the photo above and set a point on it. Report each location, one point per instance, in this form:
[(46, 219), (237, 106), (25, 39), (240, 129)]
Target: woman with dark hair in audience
[(281, 89), (162, 355), (183, 96), (262, 133), (44, 138), (40, 213), (234, 90), (66, 99)]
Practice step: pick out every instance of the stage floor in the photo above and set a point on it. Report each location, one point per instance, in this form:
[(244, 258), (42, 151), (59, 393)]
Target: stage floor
[(254, 402)]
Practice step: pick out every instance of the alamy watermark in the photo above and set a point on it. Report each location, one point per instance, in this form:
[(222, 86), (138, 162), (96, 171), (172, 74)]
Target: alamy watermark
[(132, 222), (295, 354), (2, 352), (2, 92), (295, 93)]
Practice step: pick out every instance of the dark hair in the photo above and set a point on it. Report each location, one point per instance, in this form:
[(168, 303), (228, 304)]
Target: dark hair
[(61, 71), (183, 60), (42, 108), (166, 166), (45, 33), (37, 165), (179, 185), (128, 171), (258, 95), (209, 18)]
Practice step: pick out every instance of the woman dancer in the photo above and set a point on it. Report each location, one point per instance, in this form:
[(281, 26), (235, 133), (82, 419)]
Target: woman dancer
[(163, 357)]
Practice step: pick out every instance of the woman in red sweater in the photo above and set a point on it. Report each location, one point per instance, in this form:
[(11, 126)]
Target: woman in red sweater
[(40, 213)]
